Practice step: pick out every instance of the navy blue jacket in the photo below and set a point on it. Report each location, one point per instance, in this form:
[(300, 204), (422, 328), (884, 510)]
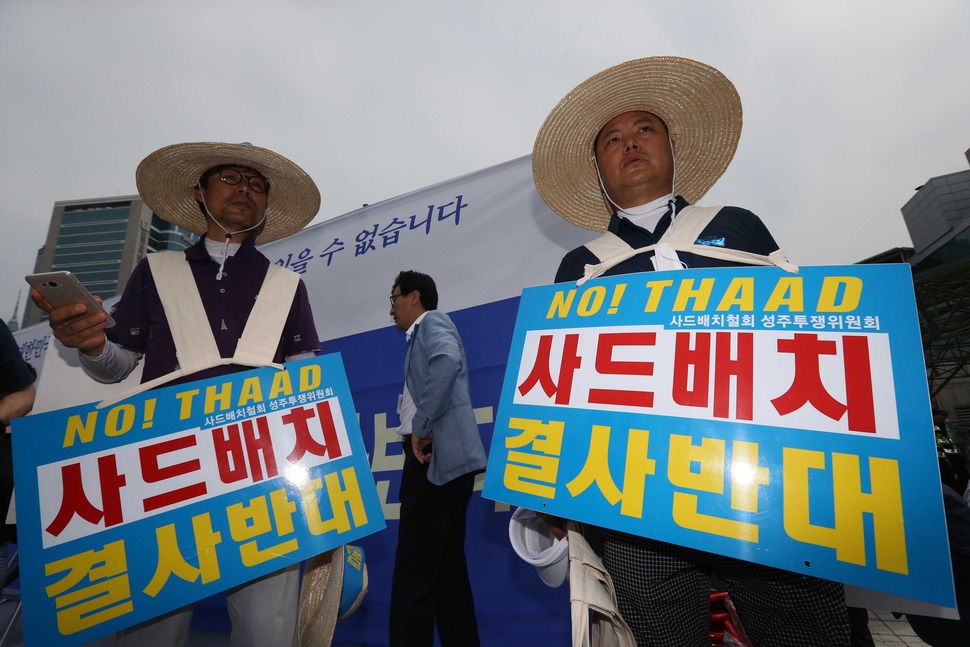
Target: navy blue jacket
[(732, 228)]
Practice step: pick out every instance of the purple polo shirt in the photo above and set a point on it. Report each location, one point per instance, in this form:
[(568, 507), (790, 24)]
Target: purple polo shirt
[(142, 325)]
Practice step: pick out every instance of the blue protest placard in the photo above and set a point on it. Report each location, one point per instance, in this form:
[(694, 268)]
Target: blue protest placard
[(128, 512), (779, 418)]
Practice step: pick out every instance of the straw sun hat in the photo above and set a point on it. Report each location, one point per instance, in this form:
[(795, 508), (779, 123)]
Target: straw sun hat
[(166, 180), (699, 105), (334, 585)]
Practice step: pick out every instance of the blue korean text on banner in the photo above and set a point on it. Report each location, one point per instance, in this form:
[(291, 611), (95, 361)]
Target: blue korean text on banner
[(779, 418), (173, 495)]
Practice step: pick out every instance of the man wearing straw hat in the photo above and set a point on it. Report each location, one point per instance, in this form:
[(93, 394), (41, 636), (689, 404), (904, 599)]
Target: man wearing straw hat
[(244, 312), (626, 153)]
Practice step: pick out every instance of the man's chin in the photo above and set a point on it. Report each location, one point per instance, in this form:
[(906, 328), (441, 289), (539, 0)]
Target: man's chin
[(235, 223)]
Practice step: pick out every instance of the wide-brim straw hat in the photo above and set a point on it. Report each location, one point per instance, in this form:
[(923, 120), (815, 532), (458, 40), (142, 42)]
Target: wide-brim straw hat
[(700, 106), (334, 585), (167, 178)]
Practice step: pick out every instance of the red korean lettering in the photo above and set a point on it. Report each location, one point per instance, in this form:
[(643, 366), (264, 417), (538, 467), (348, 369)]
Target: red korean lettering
[(692, 362), (230, 453), (606, 365), (74, 500), (153, 472), (807, 386), (249, 441), (692, 372), (305, 442), (858, 384), (741, 369), (541, 373)]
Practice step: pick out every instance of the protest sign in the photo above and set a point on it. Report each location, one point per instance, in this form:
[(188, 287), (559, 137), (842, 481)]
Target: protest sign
[(130, 511), (778, 418)]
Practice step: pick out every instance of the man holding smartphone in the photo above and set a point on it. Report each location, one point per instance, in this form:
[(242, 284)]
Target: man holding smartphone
[(244, 310)]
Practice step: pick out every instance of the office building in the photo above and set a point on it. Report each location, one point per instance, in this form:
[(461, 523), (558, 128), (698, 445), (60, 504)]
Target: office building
[(101, 240), (938, 220)]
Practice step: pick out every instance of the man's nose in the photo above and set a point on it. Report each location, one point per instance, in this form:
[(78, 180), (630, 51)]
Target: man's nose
[(630, 144)]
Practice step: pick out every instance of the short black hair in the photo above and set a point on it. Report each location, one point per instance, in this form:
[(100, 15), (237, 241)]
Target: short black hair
[(408, 281)]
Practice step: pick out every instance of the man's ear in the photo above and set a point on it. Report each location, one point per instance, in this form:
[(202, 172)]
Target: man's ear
[(198, 193)]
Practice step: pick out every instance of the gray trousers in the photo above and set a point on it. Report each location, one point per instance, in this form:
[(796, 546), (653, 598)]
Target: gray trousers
[(263, 614)]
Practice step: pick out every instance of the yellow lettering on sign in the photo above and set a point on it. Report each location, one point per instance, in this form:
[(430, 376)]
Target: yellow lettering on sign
[(218, 397), (534, 471), (282, 384), (82, 430), (709, 456), (687, 292), (591, 301), (250, 391), (739, 293), (119, 420), (596, 470), (341, 498), (851, 290), (847, 537), (638, 467), (310, 377), (789, 293), (746, 476), (185, 400), (562, 303), (656, 289)]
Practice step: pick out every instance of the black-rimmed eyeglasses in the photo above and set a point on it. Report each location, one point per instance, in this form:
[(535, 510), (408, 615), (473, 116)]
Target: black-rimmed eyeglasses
[(256, 182)]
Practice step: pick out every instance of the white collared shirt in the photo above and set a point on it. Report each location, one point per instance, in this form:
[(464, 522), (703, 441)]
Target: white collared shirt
[(405, 403), (410, 330)]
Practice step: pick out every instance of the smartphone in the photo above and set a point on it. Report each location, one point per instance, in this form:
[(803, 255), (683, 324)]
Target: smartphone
[(63, 288)]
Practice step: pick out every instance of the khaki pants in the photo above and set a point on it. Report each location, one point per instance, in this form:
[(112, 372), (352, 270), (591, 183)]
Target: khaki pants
[(263, 614)]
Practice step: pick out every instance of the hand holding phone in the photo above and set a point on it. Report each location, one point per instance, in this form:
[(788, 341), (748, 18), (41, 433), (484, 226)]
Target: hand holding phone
[(64, 289), (59, 290)]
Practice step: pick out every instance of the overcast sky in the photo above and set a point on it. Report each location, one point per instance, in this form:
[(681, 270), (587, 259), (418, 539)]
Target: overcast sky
[(849, 105)]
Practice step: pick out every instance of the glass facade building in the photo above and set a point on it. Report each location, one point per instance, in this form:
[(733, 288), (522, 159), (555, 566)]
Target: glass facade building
[(101, 241), (938, 220)]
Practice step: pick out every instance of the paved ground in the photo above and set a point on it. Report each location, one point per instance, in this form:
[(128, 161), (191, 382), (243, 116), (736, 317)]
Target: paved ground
[(890, 632), (886, 630)]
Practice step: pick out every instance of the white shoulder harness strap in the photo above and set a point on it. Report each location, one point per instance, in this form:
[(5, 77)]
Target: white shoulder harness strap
[(592, 593), (195, 346), (682, 235)]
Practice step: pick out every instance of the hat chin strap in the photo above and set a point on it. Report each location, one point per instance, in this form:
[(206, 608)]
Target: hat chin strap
[(225, 250), (632, 211)]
